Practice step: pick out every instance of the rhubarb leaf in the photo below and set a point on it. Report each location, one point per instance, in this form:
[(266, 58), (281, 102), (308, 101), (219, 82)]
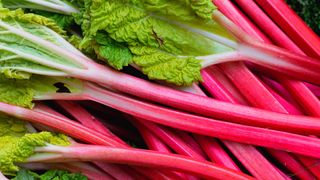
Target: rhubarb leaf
[(21, 92), (64, 21), (160, 65), (115, 54), (156, 26), (151, 23), (17, 149), (21, 55), (11, 126), (16, 92), (63, 175), (59, 6), (24, 174)]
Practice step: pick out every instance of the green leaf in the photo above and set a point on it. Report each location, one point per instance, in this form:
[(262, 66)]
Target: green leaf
[(16, 92), (10, 126), (19, 56), (75, 40), (64, 21), (115, 54), (21, 92), (62, 175), (161, 65), (24, 174), (151, 23), (157, 26), (17, 149)]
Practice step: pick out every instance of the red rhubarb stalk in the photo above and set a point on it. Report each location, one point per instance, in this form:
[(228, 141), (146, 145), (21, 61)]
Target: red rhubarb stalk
[(192, 123), (191, 142), (113, 170), (146, 158), (298, 89), (315, 89), (152, 141), (250, 157), (88, 120), (292, 25), (174, 141), (69, 127), (210, 146), (209, 107), (276, 106), (215, 152)]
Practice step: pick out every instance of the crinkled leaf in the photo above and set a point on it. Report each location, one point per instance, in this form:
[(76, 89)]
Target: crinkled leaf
[(151, 23), (17, 149), (63, 175), (161, 65), (115, 54), (157, 26), (16, 92), (24, 174), (75, 40), (10, 126), (64, 21)]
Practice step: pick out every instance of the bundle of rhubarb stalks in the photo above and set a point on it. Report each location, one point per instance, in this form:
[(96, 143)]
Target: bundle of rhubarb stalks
[(170, 89)]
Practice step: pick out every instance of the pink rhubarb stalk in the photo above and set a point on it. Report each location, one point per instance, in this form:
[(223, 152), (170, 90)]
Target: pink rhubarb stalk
[(292, 25), (191, 123), (298, 89), (152, 141), (88, 120), (209, 107), (248, 155), (190, 140), (173, 141), (146, 158), (215, 152), (277, 105)]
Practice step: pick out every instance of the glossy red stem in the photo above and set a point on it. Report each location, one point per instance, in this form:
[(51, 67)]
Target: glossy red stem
[(278, 104), (298, 89), (149, 159), (292, 25)]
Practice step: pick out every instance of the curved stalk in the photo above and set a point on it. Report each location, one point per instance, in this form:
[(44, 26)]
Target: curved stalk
[(143, 158), (209, 127)]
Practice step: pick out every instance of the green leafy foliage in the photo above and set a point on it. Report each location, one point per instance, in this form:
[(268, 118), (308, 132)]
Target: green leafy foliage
[(115, 54), (20, 56), (24, 174), (64, 21), (156, 27), (10, 126), (21, 92), (17, 149), (140, 23), (16, 92), (160, 65), (309, 10)]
